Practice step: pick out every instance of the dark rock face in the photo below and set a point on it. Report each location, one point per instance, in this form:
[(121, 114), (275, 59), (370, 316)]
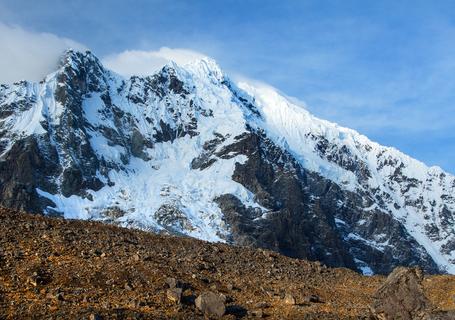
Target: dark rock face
[(302, 211), (60, 160), (24, 168)]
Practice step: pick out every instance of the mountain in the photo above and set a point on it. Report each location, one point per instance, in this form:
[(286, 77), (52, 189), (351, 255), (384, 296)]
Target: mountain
[(189, 151)]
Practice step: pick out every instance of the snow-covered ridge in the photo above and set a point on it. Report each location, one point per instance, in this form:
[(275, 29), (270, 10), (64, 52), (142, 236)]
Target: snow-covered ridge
[(413, 192), (164, 177), (143, 134)]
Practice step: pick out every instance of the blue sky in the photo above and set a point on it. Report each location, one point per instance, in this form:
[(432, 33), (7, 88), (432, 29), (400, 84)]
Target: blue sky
[(384, 68)]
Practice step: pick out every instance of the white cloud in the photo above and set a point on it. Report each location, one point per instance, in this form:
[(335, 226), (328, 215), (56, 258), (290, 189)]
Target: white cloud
[(143, 63), (30, 55)]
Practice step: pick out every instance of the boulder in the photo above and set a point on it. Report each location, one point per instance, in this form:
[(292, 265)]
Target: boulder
[(211, 304), (401, 296)]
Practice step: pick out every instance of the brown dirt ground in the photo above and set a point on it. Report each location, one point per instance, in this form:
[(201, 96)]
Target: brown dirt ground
[(66, 269)]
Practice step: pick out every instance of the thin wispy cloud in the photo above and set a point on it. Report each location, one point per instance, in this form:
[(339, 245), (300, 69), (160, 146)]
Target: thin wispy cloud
[(27, 55), (143, 63)]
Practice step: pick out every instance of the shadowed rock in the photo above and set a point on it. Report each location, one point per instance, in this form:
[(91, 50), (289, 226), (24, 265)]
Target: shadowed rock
[(402, 297), (211, 304)]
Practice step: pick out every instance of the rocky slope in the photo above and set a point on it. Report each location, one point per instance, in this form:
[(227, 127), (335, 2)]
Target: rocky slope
[(188, 151), (59, 269)]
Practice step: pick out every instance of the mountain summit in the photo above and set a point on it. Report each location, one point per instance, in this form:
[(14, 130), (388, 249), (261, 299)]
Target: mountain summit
[(188, 151)]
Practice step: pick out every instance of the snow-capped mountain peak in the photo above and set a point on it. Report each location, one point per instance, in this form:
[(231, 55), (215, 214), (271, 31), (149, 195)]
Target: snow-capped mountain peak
[(205, 68), (187, 150)]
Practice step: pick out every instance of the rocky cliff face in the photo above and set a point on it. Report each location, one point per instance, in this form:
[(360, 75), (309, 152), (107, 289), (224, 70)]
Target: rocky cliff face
[(188, 151)]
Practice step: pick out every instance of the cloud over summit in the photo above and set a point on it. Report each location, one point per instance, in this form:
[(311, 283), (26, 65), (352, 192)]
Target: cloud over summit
[(27, 55), (143, 63)]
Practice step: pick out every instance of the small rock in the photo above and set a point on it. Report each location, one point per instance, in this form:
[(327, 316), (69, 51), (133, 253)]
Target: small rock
[(229, 287), (173, 283), (136, 257), (313, 298), (128, 287), (289, 299), (174, 294), (32, 281), (94, 316), (262, 305), (257, 313), (211, 304)]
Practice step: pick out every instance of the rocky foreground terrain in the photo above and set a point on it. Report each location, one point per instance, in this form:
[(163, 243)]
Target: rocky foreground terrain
[(65, 269)]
